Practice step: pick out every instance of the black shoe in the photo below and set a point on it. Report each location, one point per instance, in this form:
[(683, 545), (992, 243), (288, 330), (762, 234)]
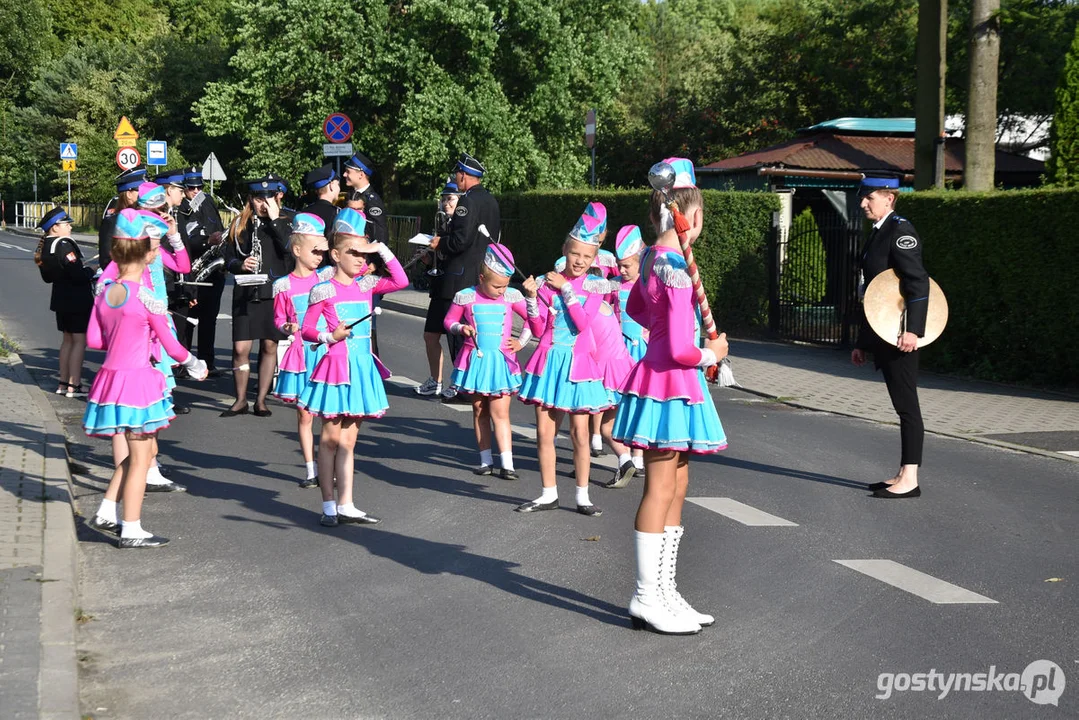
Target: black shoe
[(309, 483), (598, 453), (102, 525), (181, 409), (509, 474), (181, 373), (151, 542), (167, 487), (214, 372), (622, 475), (233, 413), (483, 470), (263, 412), (536, 506), (889, 495), (879, 486), (362, 520), (589, 510), (328, 520)]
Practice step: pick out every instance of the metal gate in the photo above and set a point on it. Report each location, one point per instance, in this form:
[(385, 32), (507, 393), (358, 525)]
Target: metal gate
[(813, 279)]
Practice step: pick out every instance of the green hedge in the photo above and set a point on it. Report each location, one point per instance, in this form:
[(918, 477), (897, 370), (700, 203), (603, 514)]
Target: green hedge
[(1008, 263), (731, 253)]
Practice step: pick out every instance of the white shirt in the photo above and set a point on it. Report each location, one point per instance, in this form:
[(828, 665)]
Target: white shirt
[(878, 223)]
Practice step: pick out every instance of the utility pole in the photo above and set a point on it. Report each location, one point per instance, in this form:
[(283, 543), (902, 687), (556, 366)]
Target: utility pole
[(929, 94), (981, 125)]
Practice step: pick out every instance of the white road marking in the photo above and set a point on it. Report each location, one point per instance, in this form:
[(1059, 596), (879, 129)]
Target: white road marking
[(740, 512), (1073, 453), (916, 583), (13, 247), (607, 461), (223, 316), (402, 381)]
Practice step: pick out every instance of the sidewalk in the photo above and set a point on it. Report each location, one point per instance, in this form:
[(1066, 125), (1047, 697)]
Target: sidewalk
[(38, 561), (819, 378)]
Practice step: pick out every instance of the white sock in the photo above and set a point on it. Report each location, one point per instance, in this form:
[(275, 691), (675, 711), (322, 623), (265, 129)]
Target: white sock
[(597, 442), (623, 459), (582, 496), (507, 460), (349, 510), (133, 529), (638, 462), (154, 476), (550, 494), (485, 457), (329, 507), (107, 510), (312, 469)]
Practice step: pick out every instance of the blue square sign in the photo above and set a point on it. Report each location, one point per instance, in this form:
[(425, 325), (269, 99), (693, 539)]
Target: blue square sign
[(157, 152), (69, 151)]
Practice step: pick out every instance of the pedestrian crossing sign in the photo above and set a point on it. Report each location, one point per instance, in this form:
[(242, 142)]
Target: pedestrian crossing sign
[(69, 151)]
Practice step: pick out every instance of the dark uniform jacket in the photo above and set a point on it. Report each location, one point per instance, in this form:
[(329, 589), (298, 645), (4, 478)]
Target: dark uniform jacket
[(104, 234), (895, 245), (276, 257), (325, 210), (198, 220), (462, 249), (375, 211), (72, 281)]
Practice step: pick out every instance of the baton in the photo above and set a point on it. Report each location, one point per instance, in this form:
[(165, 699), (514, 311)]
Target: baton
[(193, 321), (376, 311)]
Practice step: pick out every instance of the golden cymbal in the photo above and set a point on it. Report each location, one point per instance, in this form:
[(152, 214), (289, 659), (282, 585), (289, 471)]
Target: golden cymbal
[(885, 308)]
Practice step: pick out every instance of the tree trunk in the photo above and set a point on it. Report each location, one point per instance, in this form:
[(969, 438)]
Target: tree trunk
[(929, 95), (981, 124)]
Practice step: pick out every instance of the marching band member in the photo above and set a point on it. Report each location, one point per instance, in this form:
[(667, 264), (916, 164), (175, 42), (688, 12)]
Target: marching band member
[(346, 385), (324, 184), (127, 196), (561, 376), (59, 259), (290, 296), (181, 298), (609, 352), (666, 409), (433, 325), (256, 255), (129, 398), (487, 366), (202, 231), (357, 174)]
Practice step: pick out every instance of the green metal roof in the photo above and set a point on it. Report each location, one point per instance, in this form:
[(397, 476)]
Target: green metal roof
[(884, 126)]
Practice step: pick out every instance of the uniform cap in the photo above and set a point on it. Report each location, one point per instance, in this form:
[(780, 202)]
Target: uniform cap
[(350, 222), (590, 226), (130, 179), (53, 217), (628, 242), (262, 187), (359, 161), (170, 177), (877, 181), (499, 258), (154, 225), (470, 166), (450, 188), (193, 177), (130, 225), (319, 178)]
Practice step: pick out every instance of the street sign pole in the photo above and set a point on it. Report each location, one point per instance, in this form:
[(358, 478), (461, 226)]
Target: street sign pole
[(35, 184), (69, 193), (593, 167), (590, 140)]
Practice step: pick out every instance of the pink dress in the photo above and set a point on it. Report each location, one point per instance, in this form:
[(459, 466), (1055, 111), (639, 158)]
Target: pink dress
[(290, 297), (562, 373), (610, 352), (128, 394), (347, 381), (485, 366), (665, 402)]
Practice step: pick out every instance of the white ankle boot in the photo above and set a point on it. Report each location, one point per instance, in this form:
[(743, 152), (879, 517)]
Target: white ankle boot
[(649, 608), (672, 535)]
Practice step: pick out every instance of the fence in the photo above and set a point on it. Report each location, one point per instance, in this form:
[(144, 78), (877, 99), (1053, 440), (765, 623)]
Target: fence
[(29, 214)]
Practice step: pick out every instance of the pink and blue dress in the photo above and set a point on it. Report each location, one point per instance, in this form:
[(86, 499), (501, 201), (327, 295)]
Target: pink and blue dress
[(128, 394), (610, 351), (665, 402), (347, 380), (485, 365), (290, 302), (632, 331), (562, 373)]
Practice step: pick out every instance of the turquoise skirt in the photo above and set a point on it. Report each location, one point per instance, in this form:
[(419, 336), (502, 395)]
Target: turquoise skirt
[(488, 375), (108, 419), (555, 391), (674, 424)]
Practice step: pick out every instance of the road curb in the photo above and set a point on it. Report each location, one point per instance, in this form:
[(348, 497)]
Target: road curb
[(58, 681), (388, 303)]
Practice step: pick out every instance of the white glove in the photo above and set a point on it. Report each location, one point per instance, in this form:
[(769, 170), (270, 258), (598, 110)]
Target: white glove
[(708, 358), (383, 251), (195, 368), (175, 242), (326, 338)]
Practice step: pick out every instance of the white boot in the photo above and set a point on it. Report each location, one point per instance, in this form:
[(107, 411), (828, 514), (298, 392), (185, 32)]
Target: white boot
[(649, 607), (668, 584)]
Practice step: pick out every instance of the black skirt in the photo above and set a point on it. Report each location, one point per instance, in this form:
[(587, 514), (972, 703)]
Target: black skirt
[(73, 322), (253, 320)]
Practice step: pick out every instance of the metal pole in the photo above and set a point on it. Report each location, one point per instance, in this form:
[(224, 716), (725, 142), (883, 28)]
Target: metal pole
[(593, 166), (69, 193), (35, 184)]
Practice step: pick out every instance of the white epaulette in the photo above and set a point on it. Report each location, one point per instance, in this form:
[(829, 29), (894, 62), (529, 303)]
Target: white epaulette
[(596, 285), (671, 271), (513, 295), (325, 273), (157, 307), (320, 292), (466, 296), (281, 285), (367, 282)]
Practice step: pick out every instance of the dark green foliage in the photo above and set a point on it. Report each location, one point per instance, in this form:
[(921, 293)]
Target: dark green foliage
[(1007, 262), (1063, 165), (731, 252), (804, 278)]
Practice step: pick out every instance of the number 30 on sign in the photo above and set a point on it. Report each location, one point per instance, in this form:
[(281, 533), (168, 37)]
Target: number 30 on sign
[(127, 158)]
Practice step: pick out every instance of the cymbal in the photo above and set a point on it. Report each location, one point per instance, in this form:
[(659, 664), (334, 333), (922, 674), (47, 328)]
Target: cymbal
[(884, 309)]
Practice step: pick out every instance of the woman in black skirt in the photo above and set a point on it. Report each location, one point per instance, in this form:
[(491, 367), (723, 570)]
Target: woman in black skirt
[(256, 253)]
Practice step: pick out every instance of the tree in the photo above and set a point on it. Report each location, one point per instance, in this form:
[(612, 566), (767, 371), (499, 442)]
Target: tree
[(981, 121), (1063, 165)]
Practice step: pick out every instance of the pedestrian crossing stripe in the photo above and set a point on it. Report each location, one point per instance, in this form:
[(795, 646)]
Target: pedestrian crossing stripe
[(916, 582)]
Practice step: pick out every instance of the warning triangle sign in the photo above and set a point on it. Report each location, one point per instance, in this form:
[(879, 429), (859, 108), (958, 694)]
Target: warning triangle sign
[(125, 131)]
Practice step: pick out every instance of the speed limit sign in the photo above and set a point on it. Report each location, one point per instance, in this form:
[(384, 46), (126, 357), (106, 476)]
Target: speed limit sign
[(127, 158)]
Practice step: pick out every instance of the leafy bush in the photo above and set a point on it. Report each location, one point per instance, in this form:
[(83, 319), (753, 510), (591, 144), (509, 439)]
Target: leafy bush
[(804, 278)]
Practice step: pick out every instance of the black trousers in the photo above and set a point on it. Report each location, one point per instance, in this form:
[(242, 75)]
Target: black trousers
[(207, 310), (181, 306), (901, 375)]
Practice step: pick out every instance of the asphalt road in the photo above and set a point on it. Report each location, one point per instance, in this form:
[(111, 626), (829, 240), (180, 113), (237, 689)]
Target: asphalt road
[(457, 607)]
